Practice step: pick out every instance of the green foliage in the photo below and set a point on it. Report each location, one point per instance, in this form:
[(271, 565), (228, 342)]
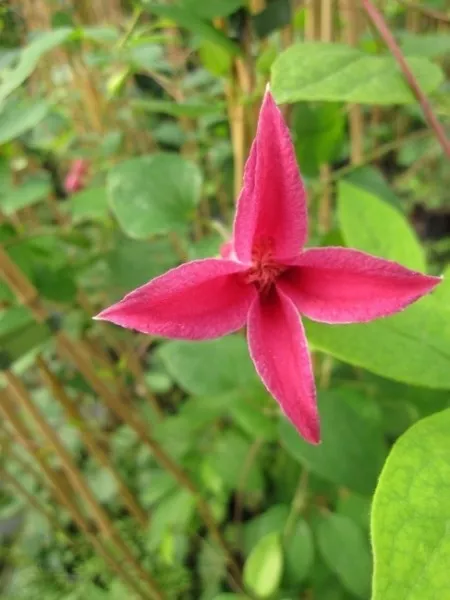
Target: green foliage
[(410, 515), (352, 451), (154, 194), (338, 73)]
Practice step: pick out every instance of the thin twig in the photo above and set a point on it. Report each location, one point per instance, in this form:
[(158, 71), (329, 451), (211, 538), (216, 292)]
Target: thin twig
[(77, 481), (62, 495), (378, 21), (426, 10)]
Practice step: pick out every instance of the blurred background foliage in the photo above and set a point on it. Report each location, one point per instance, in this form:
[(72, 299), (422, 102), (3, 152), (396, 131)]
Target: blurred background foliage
[(143, 468)]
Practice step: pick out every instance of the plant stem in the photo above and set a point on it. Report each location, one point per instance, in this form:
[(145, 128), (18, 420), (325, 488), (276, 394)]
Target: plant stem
[(378, 21)]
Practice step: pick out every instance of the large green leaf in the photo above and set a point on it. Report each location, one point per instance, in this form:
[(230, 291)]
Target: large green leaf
[(371, 225), (264, 566), (346, 552), (154, 194), (211, 367), (428, 45), (18, 117), (411, 515), (33, 190), (413, 346), (352, 449), (132, 263), (340, 73), (318, 132), (90, 204), (28, 59)]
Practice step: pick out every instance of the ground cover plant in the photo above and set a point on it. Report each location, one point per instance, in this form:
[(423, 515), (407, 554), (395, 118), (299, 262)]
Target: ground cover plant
[(152, 460)]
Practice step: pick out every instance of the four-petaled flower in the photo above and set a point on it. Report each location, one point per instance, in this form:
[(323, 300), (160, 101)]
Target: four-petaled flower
[(265, 278)]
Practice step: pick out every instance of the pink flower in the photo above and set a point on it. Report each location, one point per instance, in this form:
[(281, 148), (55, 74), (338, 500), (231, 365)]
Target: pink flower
[(76, 177), (265, 278)]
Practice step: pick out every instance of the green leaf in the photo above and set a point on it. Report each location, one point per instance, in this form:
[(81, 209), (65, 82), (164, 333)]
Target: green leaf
[(370, 179), (263, 568), (276, 15), (411, 347), (426, 45), (154, 194), (215, 59), (213, 8), (189, 20), (132, 263), (352, 449), (371, 225), (232, 461), (249, 415), (346, 551), (179, 109), (31, 191), (17, 117), (411, 515), (442, 293), (90, 204), (339, 73), (299, 554), (273, 520), (318, 131), (211, 367), (29, 57)]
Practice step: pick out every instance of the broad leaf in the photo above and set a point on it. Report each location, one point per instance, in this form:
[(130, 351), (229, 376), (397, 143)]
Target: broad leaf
[(211, 367), (90, 204), (28, 59), (373, 226), (413, 346), (352, 449), (154, 194), (411, 513), (264, 566), (340, 73), (31, 191), (16, 118), (347, 553), (299, 553)]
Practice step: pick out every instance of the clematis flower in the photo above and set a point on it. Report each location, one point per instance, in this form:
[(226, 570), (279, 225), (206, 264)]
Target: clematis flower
[(266, 280), (75, 180)]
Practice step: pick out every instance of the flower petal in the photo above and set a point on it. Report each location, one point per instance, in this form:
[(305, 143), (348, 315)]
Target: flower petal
[(272, 203), (202, 299), (341, 285), (279, 350)]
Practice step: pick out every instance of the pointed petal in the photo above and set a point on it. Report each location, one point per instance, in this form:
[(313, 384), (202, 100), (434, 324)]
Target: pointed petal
[(199, 300), (341, 285), (272, 204), (279, 350)]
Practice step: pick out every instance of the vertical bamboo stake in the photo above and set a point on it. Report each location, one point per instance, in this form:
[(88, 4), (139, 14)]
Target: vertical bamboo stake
[(76, 478), (350, 12), (326, 35), (64, 497), (88, 438)]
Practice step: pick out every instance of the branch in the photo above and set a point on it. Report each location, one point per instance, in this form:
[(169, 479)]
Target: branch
[(380, 24)]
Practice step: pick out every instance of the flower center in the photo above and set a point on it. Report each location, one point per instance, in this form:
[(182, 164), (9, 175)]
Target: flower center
[(265, 269)]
